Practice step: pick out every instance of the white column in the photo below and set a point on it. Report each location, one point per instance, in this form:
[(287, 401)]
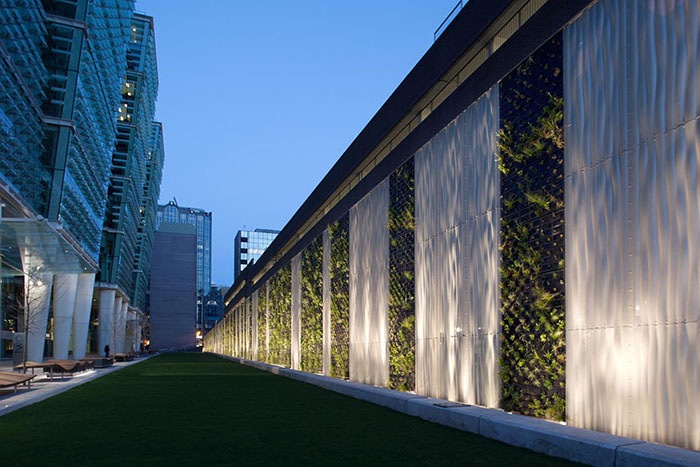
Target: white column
[(37, 289), (326, 302), (81, 314), (115, 318), (120, 326), (139, 330), (106, 330), (130, 340), (64, 290), (296, 312), (254, 317)]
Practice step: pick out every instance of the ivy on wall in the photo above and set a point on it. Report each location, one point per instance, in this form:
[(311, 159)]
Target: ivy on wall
[(280, 321), (248, 326), (401, 225), (262, 324), (312, 307), (340, 297), (531, 162)]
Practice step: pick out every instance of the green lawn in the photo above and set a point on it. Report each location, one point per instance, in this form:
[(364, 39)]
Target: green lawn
[(201, 410)]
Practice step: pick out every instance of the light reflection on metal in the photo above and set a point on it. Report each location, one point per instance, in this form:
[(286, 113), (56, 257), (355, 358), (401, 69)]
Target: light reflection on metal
[(457, 259), (369, 288), (633, 220)]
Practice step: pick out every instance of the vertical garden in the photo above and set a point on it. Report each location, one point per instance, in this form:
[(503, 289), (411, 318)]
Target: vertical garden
[(401, 225), (263, 354), (340, 297), (531, 162), (280, 321), (312, 307)]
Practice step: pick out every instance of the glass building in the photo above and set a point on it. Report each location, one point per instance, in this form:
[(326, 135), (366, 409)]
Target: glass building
[(249, 245), (63, 67), (201, 220), (137, 162)]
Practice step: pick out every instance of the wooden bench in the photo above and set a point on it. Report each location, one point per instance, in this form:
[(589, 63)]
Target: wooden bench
[(123, 357), (62, 366), (13, 379)]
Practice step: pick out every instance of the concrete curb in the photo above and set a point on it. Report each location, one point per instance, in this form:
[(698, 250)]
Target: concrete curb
[(553, 439)]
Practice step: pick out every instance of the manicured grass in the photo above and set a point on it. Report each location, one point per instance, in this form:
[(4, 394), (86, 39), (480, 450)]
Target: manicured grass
[(201, 410)]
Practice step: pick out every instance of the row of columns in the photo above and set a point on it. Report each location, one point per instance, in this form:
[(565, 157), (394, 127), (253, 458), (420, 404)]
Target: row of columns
[(72, 302), (119, 326)]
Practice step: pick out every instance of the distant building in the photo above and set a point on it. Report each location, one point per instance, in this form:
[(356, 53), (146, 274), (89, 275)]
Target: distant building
[(173, 293), (213, 307), (201, 220), (249, 246)]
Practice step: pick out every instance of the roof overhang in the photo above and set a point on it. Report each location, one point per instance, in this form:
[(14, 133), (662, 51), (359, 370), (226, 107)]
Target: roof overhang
[(32, 245)]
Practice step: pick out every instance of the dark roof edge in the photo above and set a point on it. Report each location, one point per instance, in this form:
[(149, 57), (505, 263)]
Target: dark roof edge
[(466, 28), (469, 24)]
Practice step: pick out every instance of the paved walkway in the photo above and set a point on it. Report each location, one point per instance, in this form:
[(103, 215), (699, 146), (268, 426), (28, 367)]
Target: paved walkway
[(43, 387)]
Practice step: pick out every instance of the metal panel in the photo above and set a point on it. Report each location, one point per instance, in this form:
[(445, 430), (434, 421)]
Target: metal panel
[(369, 288), (633, 220), (457, 258)]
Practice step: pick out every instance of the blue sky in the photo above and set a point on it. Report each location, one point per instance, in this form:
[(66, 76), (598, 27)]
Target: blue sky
[(260, 98)]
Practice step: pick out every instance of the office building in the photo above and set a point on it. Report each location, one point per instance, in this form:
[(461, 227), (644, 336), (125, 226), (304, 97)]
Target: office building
[(213, 307), (518, 227), (134, 184), (201, 220), (249, 245), (63, 69), (173, 294)]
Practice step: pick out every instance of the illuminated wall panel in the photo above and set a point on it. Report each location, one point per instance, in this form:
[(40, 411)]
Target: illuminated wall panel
[(257, 324), (457, 315), (326, 271), (369, 287), (296, 311), (633, 220)]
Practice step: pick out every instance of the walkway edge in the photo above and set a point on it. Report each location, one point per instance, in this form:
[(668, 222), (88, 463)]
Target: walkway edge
[(553, 439), (24, 397)]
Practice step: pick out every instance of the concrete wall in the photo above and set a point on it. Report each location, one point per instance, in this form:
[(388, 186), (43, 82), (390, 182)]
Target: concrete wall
[(173, 290)]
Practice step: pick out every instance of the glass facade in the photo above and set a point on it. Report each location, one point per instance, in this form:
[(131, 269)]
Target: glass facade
[(201, 220), (83, 177), (137, 163), (249, 246)]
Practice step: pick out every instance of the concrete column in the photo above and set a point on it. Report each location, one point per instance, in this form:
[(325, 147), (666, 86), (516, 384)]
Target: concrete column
[(81, 314), (37, 289), (120, 326), (106, 329), (115, 322), (139, 329), (130, 331), (64, 290)]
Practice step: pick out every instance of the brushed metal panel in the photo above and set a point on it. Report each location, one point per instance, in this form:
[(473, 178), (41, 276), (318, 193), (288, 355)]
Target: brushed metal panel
[(296, 311), (633, 220), (369, 287), (457, 314)]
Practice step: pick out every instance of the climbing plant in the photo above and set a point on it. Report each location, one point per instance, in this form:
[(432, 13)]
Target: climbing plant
[(531, 162), (340, 297), (280, 319), (401, 226), (312, 307), (262, 323)]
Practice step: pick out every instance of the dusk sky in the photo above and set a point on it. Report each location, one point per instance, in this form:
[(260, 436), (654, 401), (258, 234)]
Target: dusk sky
[(259, 99)]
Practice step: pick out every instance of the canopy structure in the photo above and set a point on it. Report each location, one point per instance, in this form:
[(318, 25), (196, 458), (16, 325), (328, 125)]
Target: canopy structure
[(35, 245)]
